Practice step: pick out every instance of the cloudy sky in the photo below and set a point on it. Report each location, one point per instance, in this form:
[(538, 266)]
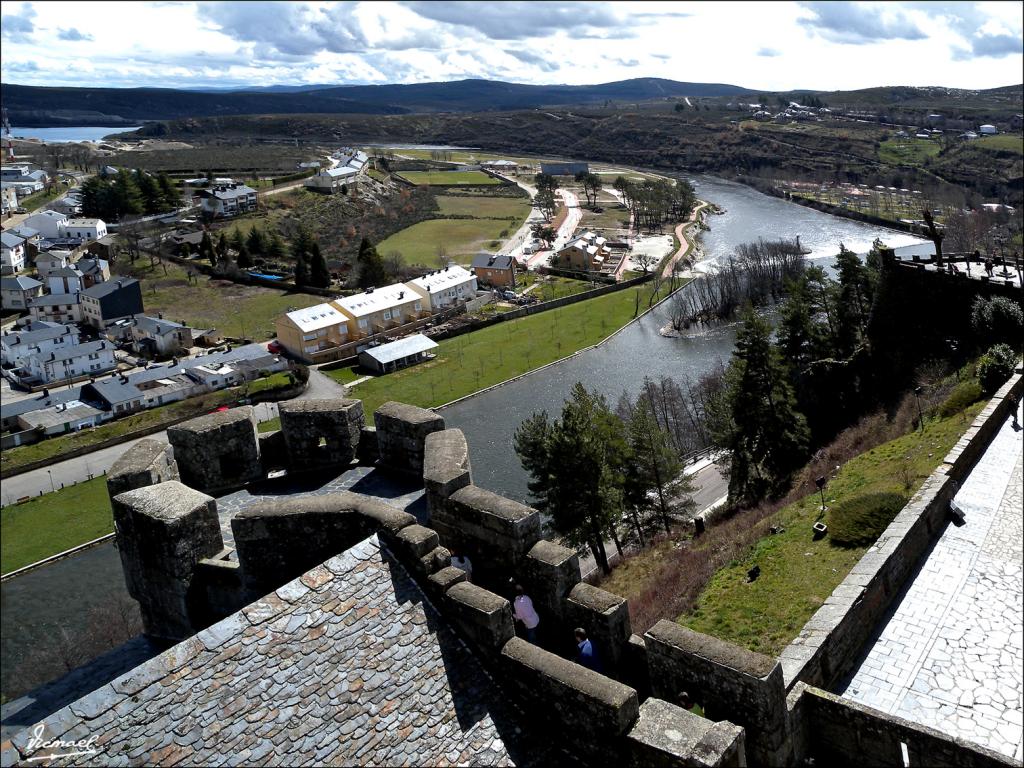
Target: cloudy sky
[(763, 46)]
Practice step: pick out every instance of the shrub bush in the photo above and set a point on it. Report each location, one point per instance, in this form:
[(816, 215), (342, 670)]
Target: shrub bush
[(998, 319), (965, 393), (996, 366), (860, 521)]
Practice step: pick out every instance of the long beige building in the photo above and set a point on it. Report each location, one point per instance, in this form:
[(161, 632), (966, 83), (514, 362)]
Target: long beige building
[(305, 332)]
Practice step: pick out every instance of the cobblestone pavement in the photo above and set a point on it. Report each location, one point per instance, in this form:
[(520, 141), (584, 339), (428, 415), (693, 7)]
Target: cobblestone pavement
[(951, 655), (348, 665)]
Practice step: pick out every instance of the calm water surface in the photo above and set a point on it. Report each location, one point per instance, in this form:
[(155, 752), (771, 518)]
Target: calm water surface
[(64, 135)]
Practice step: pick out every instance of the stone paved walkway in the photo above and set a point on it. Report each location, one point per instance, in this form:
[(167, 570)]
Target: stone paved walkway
[(952, 655)]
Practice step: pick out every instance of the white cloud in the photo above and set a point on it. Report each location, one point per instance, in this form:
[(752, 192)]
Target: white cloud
[(765, 46)]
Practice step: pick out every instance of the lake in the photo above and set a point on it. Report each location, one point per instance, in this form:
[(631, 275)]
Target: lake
[(68, 135)]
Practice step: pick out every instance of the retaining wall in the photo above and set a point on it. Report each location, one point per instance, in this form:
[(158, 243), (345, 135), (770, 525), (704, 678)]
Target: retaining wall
[(829, 646)]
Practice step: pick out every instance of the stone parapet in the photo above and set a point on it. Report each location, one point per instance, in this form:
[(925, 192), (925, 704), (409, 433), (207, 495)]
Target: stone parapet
[(148, 462), (495, 532), (401, 433), (163, 531), (486, 618), (548, 573), (590, 711), (730, 682), (666, 736), (605, 617), (446, 467), (321, 434), (218, 452)]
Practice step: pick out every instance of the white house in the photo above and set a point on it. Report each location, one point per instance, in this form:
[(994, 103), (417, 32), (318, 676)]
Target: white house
[(48, 262), (8, 199), (73, 362), (229, 200), (64, 280), (12, 252), (17, 292), (56, 308), (63, 417), (36, 339), (445, 287), (158, 337), (85, 230), (380, 309), (49, 224), (332, 180), (988, 130)]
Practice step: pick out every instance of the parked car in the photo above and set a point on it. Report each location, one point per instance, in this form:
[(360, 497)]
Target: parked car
[(509, 295), (275, 347)]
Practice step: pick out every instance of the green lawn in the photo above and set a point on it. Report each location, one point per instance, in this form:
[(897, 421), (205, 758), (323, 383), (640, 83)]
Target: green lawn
[(1002, 141), (461, 238), (229, 307), (53, 523), (485, 207), (476, 360), (38, 199), (798, 573), (910, 151), (448, 178)]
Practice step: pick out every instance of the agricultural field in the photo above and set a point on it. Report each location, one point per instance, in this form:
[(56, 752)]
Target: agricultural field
[(242, 159), (484, 207), (1006, 141), (448, 178), (461, 239), (233, 309), (910, 151)]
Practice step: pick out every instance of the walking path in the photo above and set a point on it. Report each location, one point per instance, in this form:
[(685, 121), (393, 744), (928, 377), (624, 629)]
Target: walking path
[(81, 468), (951, 655), (685, 245)]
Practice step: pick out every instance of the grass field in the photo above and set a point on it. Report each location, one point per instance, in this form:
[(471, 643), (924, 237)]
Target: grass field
[(38, 199), (476, 360), (611, 217), (1002, 141), (907, 151), (235, 310), (461, 238), (459, 156), (53, 523), (485, 207), (798, 573), (449, 178)]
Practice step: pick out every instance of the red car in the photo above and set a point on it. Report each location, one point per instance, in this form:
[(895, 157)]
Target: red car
[(275, 348)]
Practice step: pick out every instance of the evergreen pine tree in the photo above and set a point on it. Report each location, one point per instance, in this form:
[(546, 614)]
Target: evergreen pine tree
[(319, 275), (170, 196), (371, 266), (206, 250), (275, 247), (255, 241), (125, 195), (300, 253)]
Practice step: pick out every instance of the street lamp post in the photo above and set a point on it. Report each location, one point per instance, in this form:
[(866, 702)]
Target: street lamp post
[(53, 488), (821, 482), (920, 415)]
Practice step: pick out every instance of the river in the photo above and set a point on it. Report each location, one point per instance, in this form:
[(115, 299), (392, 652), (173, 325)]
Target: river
[(69, 134), (620, 364), (39, 602)]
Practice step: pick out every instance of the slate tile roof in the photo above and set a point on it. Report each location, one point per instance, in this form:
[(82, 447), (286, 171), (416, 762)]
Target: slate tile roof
[(348, 664)]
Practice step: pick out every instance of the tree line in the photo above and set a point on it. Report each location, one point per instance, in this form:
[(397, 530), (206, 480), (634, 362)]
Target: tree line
[(128, 193), (652, 202), (602, 474)]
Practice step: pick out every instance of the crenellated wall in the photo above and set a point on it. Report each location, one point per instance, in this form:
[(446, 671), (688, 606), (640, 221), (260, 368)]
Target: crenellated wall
[(177, 567)]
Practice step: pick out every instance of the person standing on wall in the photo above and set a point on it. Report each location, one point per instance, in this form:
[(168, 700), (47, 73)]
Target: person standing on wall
[(525, 614)]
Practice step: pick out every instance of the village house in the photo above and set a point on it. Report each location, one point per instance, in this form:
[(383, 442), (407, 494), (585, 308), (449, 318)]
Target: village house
[(84, 230), (93, 271), (50, 224), (988, 130), (564, 169), (63, 417), (12, 253), (8, 200), (229, 200), (64, 280), (586, 253), (56, 307), (330, 180), (48, 262), (116, 395), (69, 205), (17, 292), (445, 287), (72, 362), (385, 358), (106, 302), (156, 337), (500, 166), (381, 309), (35, 339), (23, 172), (495, 270), (104, 247), (305, 332)]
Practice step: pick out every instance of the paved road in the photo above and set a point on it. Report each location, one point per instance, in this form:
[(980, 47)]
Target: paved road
[(78, 469), (711, 489), (565, 231)]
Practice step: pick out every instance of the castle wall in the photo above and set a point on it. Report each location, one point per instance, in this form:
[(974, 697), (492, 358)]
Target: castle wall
[(218, 452)]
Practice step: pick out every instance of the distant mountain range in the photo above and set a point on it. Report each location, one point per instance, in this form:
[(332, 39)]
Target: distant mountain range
[(41, 106)]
